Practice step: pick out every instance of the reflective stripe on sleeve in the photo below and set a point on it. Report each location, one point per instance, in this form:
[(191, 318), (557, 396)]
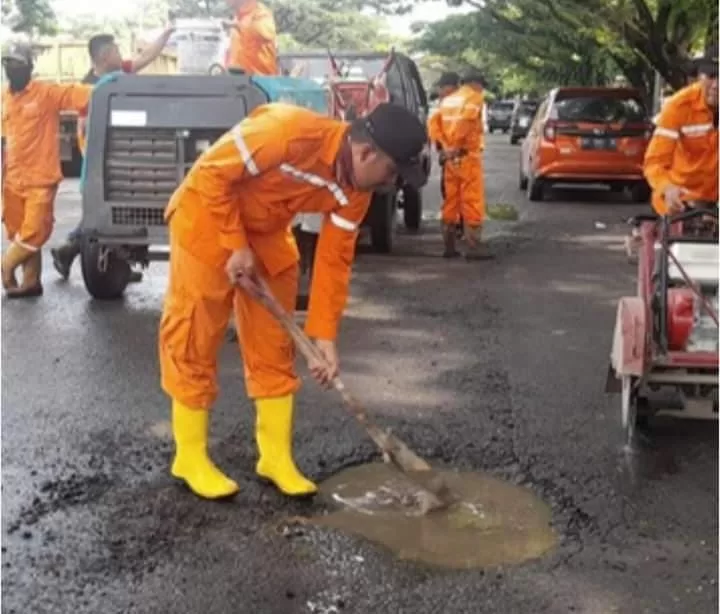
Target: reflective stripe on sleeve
[(245, 154), (341, 222), (669, 134), (317, 181)]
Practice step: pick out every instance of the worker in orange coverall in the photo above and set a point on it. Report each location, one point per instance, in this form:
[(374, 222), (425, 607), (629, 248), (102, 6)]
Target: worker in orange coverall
[(681, 161), (230, 221), (253, 45), (461, 132), (447, 84), (31, 164)]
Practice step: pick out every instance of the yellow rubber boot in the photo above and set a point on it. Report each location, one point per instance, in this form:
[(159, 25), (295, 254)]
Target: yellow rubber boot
[(31, 285), (192, 463), (273, 433), (12, 259)]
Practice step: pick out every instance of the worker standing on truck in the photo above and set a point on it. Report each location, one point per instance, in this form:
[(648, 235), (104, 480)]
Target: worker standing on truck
[(681, 161), (229, 221), (253, 45), (106, 59), (31, 164), (447, 84), (462, 129)]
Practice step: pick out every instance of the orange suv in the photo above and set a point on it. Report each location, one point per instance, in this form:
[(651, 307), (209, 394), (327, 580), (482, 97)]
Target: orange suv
[(583, 135)]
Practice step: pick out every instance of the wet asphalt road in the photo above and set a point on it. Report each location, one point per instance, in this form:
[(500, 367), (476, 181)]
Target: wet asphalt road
[(494, 366)]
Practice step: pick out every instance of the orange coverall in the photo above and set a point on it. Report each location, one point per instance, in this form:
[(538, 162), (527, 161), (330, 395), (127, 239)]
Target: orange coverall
[(683, 150), (253, 47), (459, 126), (244, 192), (30, 126)]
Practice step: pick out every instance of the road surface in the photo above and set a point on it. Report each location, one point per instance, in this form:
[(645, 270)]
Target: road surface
[(494, 366)]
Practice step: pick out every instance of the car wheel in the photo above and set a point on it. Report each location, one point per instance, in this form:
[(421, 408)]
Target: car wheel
[(108, 282), (522, 179), (505, 130), (535, 189), (382, 222), (412, 208), (514, 140), (491, 130), (216, 69), (641, 192)]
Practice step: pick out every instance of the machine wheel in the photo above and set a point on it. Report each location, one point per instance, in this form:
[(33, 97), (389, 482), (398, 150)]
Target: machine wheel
[(412, 208), (641, 192), (633, 407), (382, 222), (107, 284), (73, 167), (535, 189)]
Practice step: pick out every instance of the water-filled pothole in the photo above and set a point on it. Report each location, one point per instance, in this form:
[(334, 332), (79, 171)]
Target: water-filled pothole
[(495, 523)]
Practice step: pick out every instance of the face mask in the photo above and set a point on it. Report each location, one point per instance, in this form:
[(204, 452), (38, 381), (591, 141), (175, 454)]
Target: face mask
[(18, 77)]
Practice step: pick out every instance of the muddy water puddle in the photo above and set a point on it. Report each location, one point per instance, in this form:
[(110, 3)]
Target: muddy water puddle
[(495, 523)]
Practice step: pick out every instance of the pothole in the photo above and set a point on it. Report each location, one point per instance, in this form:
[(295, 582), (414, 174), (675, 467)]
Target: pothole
[(495, 523)]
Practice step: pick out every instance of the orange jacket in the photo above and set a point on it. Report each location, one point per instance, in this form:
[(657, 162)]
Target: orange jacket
[(31, 126), (252, 42), (460, 124), (246, 189), (684, 149)]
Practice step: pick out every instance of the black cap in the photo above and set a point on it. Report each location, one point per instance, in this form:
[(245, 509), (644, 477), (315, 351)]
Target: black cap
[(402, 136), (448, 79), (18, 51)]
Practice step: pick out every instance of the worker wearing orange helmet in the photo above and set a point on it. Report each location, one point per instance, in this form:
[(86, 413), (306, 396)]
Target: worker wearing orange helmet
[(229, 221), (463, 145), (681, 161), (253, 44), (31, 164)]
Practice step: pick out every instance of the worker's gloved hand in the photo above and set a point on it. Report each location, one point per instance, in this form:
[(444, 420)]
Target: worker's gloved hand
[(241, 264), (325, 370), (673, 196)]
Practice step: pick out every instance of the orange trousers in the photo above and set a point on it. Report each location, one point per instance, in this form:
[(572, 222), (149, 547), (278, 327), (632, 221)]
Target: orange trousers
[(197, 309), (28, 215), (464, 184)]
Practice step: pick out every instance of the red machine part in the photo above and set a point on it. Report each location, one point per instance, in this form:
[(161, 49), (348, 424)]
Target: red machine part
[(681, 312)]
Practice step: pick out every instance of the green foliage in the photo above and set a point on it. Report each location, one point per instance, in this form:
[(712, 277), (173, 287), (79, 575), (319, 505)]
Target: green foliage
[(323, 23), (32, 17), (307, 23), (525, 45)]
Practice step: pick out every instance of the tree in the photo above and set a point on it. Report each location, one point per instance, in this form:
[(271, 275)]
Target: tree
[(518, 51), (31, 17), (584, 39)]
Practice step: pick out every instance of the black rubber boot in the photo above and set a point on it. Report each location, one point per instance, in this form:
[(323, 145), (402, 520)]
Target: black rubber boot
[(448, 234), (476, 248), (63, 257)]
